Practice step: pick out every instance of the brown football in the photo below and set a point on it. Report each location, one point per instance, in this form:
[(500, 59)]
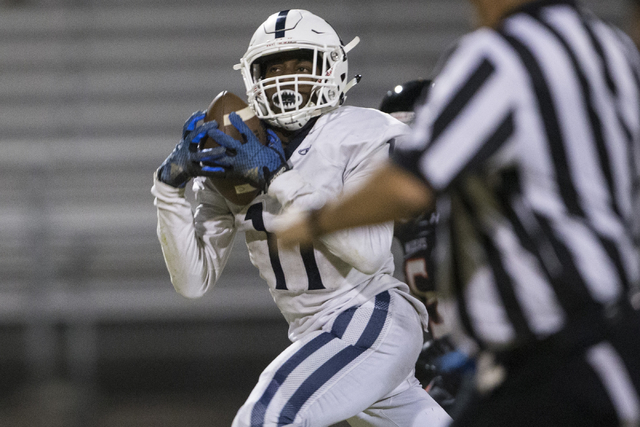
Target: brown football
[(236, 191)]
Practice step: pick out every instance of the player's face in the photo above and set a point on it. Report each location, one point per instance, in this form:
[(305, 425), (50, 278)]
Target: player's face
[(289, 64)]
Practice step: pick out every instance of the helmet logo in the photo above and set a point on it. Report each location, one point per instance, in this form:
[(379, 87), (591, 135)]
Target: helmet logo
[(290, 99)]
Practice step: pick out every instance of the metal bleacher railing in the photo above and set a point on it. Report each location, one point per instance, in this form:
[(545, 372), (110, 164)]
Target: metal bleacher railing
[(93, 95)]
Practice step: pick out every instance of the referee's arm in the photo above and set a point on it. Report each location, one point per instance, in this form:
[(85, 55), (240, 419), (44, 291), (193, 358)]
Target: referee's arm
[(468, 117), (392, 193)]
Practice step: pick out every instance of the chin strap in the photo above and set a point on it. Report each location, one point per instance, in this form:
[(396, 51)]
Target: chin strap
[(349, 46), (353, 43), (352, 83)]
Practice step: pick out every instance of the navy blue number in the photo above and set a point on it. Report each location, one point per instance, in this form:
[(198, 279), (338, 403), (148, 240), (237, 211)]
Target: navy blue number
[(254, 213)]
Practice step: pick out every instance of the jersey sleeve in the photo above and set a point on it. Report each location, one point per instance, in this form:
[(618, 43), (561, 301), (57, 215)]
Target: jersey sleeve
[(468, 115), (196, 246), (365, 248)]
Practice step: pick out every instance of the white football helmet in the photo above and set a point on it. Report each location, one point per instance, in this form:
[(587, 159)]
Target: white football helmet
[(292, 30)]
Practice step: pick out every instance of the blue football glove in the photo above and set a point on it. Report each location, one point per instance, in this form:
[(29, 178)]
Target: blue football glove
[(258, 164), (443, 370), (184, 162)]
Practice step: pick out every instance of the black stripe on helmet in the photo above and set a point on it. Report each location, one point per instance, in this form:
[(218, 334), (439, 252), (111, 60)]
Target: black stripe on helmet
[(280, 23)]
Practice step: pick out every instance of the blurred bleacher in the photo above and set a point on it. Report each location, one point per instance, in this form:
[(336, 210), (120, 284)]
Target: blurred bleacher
[(93, 95)]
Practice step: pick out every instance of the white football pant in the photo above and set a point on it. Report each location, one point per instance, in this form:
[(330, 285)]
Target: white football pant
[(359, 368)]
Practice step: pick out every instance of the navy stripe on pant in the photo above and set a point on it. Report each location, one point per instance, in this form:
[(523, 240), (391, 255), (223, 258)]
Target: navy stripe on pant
[(325, 372)]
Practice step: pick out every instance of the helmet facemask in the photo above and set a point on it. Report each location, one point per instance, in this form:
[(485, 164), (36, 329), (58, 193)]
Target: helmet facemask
[(289, 101)]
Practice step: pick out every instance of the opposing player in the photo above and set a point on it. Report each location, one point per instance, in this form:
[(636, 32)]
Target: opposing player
[(416, 235), (441, 368), (356, 330)]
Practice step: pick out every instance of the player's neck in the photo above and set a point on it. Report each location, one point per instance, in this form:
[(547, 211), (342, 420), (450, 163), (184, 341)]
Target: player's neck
[(295, 136), (284, 135)]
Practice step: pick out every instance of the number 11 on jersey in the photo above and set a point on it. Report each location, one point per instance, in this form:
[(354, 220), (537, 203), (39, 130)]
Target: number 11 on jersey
[(254, 214)]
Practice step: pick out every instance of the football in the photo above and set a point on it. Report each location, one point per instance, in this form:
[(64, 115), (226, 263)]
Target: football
[(236, 191)]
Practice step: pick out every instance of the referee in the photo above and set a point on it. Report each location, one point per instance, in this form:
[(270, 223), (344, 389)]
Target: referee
[(530, 141)]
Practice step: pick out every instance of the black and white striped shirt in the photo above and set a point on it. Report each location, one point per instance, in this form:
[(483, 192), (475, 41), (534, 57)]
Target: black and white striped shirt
[(530, 137)]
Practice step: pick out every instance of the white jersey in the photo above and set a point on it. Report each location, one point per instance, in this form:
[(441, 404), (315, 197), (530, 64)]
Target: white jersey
[(310, 286)]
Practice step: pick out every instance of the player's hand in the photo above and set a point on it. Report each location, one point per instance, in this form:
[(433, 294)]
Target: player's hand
[(443, 369), (259, 164), (184, 162)]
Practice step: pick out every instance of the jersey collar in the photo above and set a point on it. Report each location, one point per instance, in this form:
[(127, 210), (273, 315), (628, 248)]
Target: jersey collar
[(297, 138)]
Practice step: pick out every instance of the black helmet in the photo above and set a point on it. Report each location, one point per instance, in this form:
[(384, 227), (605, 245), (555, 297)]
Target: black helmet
[(403, 98)]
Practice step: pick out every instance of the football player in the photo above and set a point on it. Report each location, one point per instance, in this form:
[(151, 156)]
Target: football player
[(416, 236), (356, 331), (441, 368)]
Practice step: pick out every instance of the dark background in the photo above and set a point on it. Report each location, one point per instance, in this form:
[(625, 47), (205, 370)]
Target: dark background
[(93, 97)]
